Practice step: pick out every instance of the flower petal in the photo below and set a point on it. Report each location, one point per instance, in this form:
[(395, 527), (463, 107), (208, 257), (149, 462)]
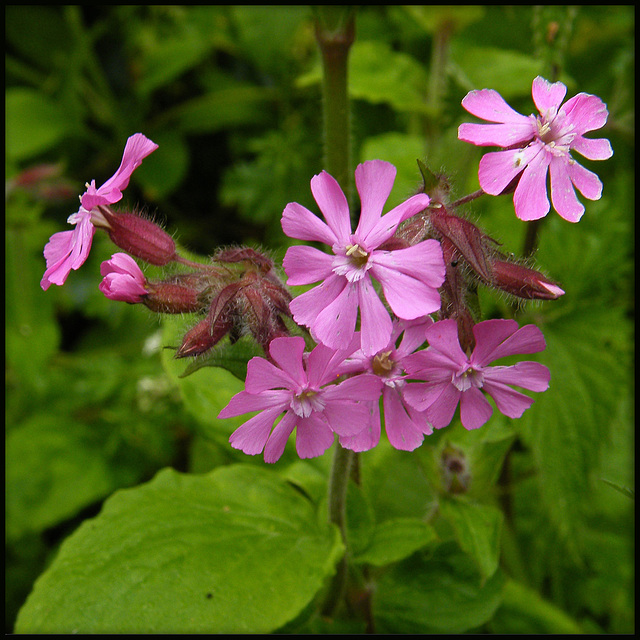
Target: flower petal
[(585, 112), (387, 225), (527, 339), (137, 148), (274, 447), (251, 437), (490, 105), (475, 409), (510, 402), (563, 195), (369, 437), (313, 436), (440, 412), (423, 261), (586, 181), (308, 305), (498, 168), (498, 135), (335, 325), (592, 148), (408, 297), (402, 433), (530, 197), (375, 323), (298, 222), (262, 376), (547, 96), (528, 375), (443, 337), (489, 335), (333, 204), (305, 265), (287, 354), (244, 402), (374, 181)]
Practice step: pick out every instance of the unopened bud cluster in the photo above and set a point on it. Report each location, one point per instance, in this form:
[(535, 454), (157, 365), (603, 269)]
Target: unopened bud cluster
[(237, 293)]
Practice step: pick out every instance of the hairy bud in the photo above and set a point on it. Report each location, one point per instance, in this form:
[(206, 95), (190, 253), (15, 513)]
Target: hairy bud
[(139, 236)]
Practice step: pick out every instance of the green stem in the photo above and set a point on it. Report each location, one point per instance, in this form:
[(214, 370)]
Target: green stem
[(335, 33), (338, 482)]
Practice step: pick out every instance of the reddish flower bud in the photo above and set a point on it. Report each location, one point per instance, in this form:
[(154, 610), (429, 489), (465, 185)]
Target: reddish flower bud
[(471, 243), (170, 297), (245, 254), (202, 337), (524, 282), (138, 236)]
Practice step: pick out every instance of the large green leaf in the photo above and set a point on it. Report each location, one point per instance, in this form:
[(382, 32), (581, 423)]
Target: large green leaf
[(234, 551), (438, 593)]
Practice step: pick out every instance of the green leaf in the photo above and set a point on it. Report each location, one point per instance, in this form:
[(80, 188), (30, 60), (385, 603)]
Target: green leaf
[(524, 611), (438, 593), (207, 392), (234, 551), (55, 467), (34, 123), (394, 540), (510, 73), (402, 151), (477, 530)]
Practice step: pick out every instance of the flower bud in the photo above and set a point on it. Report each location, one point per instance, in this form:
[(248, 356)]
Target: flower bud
[(202, 337), (454, 470), (471, 243), (523, 282), (170, 297), (138, 236), (122, 279)]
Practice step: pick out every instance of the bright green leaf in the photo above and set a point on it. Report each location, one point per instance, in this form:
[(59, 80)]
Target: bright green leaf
[(235, 551), (477, 529), (395, 540)]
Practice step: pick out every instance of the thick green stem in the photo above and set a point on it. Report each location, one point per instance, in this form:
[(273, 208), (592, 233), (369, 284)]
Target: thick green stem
[(335, 33), (338, 481)]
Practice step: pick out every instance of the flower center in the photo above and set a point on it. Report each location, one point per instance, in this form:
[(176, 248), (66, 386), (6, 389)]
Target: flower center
[(553, 133), (306, 402), (357, 255), (354, 264), (466, 378), (382, 365)]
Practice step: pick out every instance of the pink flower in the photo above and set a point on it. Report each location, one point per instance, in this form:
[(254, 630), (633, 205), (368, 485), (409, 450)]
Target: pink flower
[(68, 250), (123, 280), (539, 145), (405, 426), (409, 277), (452, 376), (298, 387)]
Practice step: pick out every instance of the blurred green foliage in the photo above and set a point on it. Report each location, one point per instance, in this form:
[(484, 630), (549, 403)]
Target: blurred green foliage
[(232, 96)]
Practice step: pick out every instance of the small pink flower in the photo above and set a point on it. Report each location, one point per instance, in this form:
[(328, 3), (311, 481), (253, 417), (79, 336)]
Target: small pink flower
[(68, 250), (298, 386), (409, 277), (537, 146), (452, 377), (122, 279), (405, 426)]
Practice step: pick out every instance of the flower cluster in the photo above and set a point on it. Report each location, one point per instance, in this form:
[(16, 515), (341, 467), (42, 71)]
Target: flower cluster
[(386, 359), (393, 308)]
